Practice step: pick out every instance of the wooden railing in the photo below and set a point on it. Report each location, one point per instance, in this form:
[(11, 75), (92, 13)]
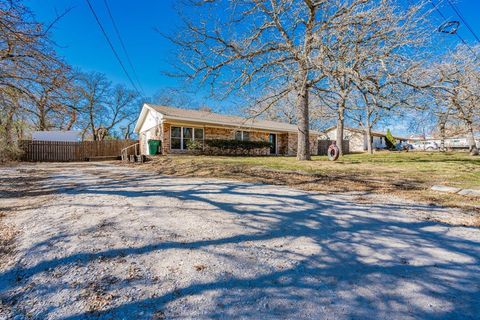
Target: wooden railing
[(125, 152)]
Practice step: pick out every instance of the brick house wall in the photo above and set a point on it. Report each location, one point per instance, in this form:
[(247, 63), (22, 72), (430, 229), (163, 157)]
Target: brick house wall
[(292, 143), (282, 141), (226, 134), (287, 142), (166, 138), (218, 133)]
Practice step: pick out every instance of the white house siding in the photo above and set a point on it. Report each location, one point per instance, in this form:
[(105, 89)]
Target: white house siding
[(378, 143), (356, 140), (150, 129)]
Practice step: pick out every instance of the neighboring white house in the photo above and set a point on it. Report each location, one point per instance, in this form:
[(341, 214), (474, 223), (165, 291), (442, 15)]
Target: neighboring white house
[(68, 136), (358, 140)]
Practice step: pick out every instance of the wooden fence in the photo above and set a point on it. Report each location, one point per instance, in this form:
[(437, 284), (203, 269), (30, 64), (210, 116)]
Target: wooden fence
[(324, 144), (34, 150)]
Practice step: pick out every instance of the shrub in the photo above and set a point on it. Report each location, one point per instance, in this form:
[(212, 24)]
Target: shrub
[(237, 144), (236, 147), (390, 140), (9, 151), (194, 145)]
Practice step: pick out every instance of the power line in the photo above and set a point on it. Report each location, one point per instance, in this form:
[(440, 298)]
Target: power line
[(456, 33), (111, 46), (463, 19), (123, 45)]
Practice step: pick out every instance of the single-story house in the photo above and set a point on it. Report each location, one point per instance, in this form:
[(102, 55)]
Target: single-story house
[(358, 139), (175, 127)]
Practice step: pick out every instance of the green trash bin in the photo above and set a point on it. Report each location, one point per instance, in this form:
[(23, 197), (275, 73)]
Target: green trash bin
[(154, 146)]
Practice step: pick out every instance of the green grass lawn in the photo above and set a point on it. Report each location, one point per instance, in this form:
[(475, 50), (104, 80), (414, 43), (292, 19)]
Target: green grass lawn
[(408, 174), (455, 169)]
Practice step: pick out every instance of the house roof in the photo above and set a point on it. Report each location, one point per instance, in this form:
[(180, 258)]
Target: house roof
[(206, 117), (374, 133)]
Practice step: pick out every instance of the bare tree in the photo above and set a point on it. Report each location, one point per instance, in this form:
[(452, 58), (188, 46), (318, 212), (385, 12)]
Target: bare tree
[(364, 64), (174, 97), (27, 64), (102, 107), (258, 46), (456, 81), (285, 111)]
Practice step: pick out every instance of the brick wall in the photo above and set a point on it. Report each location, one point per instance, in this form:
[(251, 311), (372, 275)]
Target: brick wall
[(287, 142), (282, 141), (226, 134), (166, 138), (218, 133), (292, 143)]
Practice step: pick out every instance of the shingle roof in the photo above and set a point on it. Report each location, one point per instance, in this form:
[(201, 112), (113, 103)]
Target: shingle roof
[(220, 119)]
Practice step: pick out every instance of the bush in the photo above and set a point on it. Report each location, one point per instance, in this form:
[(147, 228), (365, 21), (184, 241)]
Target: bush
[(194, 145), (390, 140), (236, 147), (237, 144), (9, 152)]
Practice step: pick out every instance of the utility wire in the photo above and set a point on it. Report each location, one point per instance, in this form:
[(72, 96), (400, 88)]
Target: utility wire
[(463, 19), (456, 33), (123, 45), (111, 46)]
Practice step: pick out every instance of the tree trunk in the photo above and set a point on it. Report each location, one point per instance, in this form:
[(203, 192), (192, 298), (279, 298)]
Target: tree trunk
[(9, 128), (73, 119), (42, 121), (303, 145), (42, 114), (368, 134), (442, 137), (472, 145), (368, 128), (340, 122)]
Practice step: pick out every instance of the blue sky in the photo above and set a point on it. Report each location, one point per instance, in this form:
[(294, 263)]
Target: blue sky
[(82, 44)]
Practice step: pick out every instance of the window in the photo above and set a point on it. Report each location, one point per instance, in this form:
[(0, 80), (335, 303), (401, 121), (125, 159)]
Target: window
[(187, 137), (176, 138), (181, 135), (198, 134), (242, 135)]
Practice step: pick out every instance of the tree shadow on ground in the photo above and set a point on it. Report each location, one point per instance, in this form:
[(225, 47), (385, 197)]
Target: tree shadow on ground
[(367, 261)]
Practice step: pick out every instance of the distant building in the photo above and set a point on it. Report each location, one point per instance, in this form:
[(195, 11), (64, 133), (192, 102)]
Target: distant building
[(452, 142), (358, 139), (68, 136)]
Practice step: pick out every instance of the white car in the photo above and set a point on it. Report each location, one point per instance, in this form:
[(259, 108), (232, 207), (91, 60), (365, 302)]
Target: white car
[(425, 146)]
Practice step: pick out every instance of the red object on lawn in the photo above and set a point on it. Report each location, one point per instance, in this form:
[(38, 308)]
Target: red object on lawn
[(333, 151)]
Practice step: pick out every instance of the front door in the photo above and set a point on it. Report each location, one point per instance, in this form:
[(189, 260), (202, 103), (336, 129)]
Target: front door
[(273, 143)]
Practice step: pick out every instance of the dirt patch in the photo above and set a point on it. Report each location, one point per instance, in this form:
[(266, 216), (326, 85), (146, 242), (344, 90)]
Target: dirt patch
[(117, 242), (378, 189), (331, 182)]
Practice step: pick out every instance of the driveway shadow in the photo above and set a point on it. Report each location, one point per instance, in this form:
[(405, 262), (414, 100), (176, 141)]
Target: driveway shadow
[(367, 261)]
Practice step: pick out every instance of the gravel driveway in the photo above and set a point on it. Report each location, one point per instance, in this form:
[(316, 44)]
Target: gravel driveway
[(101, 241)]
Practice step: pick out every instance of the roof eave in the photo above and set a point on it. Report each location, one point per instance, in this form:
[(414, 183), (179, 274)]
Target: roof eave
[(141, 117), (226, 124)]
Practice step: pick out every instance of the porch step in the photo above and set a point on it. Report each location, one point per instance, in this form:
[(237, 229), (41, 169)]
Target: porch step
[(137, 158)]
